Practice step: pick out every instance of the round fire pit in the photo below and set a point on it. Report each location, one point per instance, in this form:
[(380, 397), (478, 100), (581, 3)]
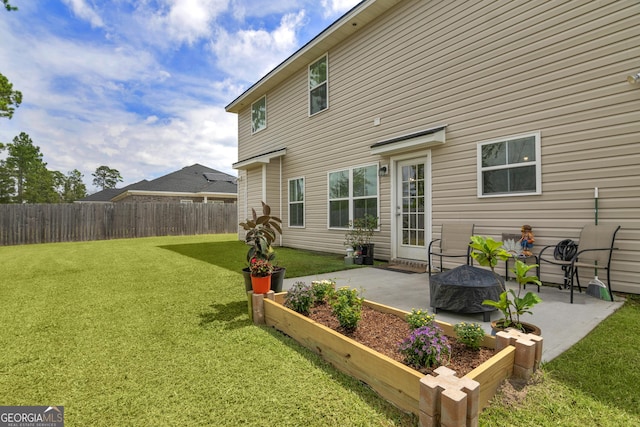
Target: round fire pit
[(463, 289)]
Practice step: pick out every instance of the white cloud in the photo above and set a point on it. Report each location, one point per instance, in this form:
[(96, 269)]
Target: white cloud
[(249, 54), (82, 10), (144, 91), (189, 20), (337, 7)]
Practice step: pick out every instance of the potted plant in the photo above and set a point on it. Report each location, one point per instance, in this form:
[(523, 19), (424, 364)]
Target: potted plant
[(359, 238), (488, 252), (261, 270), (261, 233)]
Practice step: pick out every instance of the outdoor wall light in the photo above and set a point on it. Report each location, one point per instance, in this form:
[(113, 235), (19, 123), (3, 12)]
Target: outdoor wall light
[(383, 171), (634, 78)]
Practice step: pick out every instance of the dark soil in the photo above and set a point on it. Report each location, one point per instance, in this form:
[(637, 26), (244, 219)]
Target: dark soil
[(383, 332)]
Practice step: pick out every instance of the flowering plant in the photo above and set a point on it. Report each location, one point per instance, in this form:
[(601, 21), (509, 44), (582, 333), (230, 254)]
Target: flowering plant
[(260, 267), (426, 346), (471, 334), (418, 318), (300, 298), (322, 289)]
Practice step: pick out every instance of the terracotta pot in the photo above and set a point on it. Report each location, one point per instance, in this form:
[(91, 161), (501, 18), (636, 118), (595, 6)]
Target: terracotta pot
[(529, 328), (277, 279), (261, 285)]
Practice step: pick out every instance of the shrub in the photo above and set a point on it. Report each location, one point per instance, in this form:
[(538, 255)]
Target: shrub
[(322, 290), (425, 347), (471, 334), (299, 298), (418, 318), (347, 307)]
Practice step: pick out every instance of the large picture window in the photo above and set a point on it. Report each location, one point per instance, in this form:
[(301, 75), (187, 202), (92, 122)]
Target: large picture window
[(510, 166), (296, 202), (353, 193), (259, 115), (318, 86)]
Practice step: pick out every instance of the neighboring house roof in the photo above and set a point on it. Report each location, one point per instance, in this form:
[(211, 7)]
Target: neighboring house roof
[(191, 181), (352, 21), (108, 194)]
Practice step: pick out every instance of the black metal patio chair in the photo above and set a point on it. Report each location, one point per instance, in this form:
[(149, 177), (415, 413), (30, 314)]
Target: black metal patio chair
[(594, 250)]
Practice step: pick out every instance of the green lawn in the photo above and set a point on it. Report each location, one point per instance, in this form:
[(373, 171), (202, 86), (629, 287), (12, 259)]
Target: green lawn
[(155, 332), (133, 332)]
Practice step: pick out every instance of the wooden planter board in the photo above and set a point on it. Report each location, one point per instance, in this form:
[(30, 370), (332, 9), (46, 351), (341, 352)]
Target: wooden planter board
[(392, 380)]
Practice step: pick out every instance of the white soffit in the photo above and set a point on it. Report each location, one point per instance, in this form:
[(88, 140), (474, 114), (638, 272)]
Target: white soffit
[(258, 160), (411, 142)]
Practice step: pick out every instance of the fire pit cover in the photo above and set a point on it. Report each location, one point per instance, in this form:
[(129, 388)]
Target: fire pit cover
[(463, 289)]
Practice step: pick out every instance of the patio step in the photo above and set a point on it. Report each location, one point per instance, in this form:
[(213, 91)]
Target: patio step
[(409, 263)]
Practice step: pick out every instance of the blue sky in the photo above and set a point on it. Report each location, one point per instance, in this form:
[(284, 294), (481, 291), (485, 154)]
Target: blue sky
[(141, 86)]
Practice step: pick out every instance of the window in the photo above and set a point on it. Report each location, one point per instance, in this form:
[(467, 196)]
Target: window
[(353, 193), (296, 202), (259, 115), (510, 166), (318, 86)]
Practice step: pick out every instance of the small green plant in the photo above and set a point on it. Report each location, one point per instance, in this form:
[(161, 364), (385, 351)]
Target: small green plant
[(361, 231), (512, 305), (426, 346), (488, 252), (419, 318), (470, 334), (322, 290), (346, 305), (300, 298)]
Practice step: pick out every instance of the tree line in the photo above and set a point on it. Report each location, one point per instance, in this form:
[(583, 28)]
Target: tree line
[(24, 177)]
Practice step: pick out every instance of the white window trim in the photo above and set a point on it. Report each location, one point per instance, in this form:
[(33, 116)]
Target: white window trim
[(253, 132), (326, 55), (350, 198), (537, 163), (304, 201)]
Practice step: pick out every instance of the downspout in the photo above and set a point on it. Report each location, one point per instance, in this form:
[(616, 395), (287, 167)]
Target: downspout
[(246, 195), (264, 182), (280, 158)]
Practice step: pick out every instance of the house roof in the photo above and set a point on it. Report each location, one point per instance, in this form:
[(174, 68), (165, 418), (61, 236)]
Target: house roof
[(194, 180), (352, 21), (108, 194), (191, 179)]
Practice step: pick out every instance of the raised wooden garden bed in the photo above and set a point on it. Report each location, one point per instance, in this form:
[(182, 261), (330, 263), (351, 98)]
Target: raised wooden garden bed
[(392, 380)]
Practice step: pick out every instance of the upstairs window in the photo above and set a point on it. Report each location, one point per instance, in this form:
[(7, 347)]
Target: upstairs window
[(259, 115), (510, 166), (353, 193), (318, 86), (296, 202)]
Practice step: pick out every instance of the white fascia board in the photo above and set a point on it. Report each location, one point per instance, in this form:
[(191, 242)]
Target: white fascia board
[(411, 142), (260, 159)]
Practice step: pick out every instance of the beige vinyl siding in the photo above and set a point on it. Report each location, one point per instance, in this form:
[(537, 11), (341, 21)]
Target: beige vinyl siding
[(487, 70)]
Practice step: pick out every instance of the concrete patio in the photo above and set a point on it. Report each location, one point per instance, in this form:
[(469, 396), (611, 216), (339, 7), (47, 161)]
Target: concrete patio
[(563, 324)]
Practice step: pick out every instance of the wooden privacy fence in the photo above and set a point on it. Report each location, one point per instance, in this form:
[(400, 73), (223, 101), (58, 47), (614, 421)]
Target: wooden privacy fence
[(45, 223)]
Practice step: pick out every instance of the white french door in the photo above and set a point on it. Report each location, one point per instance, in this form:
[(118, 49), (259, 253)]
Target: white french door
[(412, 183)]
